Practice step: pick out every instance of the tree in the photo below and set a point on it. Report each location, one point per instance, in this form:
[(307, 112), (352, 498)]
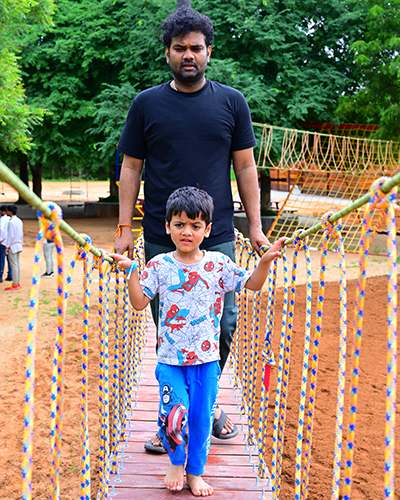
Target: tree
[(291, 60), (376, 99), (16, 116)]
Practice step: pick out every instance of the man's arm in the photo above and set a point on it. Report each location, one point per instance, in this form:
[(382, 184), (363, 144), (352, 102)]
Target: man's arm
[(245, 169), (129, 185)]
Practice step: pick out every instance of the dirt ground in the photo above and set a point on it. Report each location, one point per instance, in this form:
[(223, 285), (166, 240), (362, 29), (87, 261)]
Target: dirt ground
[(13, 319)]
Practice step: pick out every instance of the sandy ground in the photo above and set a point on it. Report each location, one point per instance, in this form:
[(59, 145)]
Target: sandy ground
[(13, 319)]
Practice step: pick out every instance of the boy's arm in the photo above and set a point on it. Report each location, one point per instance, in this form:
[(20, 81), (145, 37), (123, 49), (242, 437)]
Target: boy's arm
[(259, 275), (138, 299)]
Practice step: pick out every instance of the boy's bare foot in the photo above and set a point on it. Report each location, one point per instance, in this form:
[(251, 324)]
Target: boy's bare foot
[(198, 486), (174, 477)]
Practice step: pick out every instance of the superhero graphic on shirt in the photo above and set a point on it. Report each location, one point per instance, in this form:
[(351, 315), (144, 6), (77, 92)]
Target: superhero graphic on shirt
[(191, 304)]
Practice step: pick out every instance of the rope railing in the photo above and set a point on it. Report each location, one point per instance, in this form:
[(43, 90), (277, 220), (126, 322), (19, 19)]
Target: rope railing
[(252, 360), (121, 340), (8, 176)]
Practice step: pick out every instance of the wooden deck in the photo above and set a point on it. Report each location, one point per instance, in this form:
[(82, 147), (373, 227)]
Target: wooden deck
[(229, 469)]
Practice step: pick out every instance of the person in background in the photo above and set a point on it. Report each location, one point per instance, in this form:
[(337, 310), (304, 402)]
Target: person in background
[(48, 249), (13, 243), (4, 219)]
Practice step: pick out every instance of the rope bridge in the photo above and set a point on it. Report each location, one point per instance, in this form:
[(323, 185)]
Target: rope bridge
[(263, 376)]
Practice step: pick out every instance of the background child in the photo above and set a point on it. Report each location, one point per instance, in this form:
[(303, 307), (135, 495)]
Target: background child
[(191, 284), (14, 246)]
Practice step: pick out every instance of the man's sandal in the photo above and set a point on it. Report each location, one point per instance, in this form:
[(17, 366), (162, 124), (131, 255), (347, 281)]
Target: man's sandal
[(154, 445), (218, 427)]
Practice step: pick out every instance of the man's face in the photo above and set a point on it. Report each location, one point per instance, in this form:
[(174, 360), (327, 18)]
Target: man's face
[(188, 56)]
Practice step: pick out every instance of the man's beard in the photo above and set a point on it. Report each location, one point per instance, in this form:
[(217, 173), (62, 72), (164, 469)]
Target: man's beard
[(188, 78)]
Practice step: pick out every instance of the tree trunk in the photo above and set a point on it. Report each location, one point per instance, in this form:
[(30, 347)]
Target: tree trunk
[(36, 172), (22, 165), (113, 184), (265, 186)]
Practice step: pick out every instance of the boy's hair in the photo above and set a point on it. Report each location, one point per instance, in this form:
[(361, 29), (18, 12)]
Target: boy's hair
[(3, 208), (186, 20), (13, 209), (191, 200)]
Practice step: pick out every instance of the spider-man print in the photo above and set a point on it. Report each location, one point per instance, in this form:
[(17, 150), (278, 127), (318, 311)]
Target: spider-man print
[(209, 266), (191, 304), (206, 345), (186, 357), (153, 264), (215, 311), (187, 284), (175, 318)]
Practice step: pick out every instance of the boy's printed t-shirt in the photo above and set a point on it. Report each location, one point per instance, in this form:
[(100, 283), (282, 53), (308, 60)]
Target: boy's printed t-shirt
[(191, 304)]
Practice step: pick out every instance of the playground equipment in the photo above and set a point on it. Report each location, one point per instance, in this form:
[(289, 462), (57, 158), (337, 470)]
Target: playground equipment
[(314, 173), (121, 338)]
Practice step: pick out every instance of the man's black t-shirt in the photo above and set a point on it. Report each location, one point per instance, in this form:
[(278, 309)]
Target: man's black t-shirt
[(187, 139)]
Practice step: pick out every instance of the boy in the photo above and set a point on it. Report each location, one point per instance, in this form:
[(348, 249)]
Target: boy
[(13, 244), (191, 284)]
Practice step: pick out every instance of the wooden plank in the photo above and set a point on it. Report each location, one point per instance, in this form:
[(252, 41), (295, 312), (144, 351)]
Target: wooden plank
[(230, 409), (229, 468), (141, 457), (136, 442), (150, 468), (157, 480), (139, 415), (163, 494)]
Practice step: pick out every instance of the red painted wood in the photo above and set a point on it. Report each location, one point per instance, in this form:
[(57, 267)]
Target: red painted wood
[(141, 474), (163, 494)]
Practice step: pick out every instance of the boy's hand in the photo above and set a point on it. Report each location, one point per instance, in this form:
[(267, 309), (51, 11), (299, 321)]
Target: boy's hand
[(123, 261), (274, 251)]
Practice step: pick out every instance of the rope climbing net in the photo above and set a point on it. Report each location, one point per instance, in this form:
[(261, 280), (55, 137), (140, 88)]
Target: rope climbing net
[(263, 376), (312, 173)]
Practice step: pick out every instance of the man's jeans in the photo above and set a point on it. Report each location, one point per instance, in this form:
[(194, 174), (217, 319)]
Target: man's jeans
[(228, 321), (2, 260)]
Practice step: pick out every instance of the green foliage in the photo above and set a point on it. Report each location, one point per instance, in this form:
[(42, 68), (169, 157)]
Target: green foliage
[(291, 59), (17, 118), (377, 56)]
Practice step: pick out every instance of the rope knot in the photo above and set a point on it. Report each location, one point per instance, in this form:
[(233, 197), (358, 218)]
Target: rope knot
[(331, 228), (379, 199), (82, 251), (50, 226), (299, 242)]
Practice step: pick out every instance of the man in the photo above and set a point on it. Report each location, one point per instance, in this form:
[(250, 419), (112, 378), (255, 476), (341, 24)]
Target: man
[(13, 245), (188, 132), (4, 219)]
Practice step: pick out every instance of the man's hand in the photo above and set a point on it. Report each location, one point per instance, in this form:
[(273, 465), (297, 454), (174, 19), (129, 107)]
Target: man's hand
[(124, 243), (258, 239)]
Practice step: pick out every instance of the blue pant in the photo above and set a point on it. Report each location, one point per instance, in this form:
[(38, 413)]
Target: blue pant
[(3, 262), (229, 315), (187, 402)]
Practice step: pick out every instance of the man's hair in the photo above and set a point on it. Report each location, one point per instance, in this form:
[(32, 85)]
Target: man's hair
[(191, 200), (13, 209), (186, 20), (3, 208)]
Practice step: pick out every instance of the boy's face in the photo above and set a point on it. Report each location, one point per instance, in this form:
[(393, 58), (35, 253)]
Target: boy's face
[(187, 234)]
